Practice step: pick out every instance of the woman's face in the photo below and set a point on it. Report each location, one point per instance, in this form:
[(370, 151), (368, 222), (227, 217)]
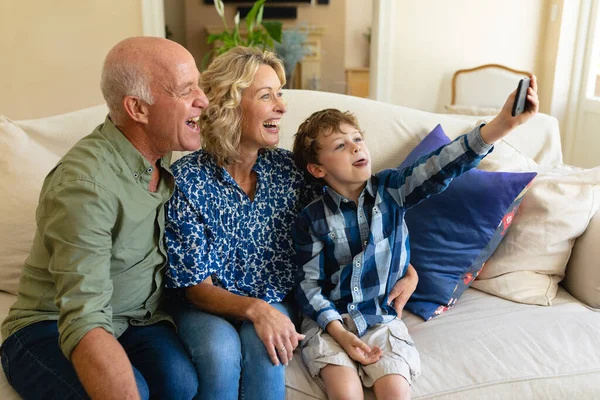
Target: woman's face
[(262, 108)]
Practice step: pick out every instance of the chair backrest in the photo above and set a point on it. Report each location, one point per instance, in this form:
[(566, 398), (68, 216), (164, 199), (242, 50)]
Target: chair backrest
[(484, 86)]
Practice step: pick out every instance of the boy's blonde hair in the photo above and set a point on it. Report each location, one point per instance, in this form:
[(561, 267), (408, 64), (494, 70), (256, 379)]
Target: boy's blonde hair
[(321, 123)]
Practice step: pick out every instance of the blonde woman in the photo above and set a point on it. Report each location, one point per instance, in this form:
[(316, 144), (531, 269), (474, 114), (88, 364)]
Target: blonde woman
[(228, 233)]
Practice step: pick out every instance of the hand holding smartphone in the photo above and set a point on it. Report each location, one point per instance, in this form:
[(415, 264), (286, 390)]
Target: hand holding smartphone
[(521, 97)]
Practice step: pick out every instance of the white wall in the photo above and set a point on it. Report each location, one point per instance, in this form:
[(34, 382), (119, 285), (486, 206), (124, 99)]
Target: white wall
[(359, 15), (434, 38), (51, 52)]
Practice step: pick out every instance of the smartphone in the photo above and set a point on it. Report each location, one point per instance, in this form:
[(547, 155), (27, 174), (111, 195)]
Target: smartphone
[(521, 97)]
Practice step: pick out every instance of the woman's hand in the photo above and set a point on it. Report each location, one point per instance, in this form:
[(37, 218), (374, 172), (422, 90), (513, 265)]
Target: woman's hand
[(276, 331), (403, 289), (358, 350)]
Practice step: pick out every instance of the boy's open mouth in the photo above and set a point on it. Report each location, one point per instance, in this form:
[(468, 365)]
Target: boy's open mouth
[(361, 163)]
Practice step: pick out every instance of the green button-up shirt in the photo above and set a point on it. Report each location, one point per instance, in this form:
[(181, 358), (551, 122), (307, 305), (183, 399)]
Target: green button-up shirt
[(98, 256)]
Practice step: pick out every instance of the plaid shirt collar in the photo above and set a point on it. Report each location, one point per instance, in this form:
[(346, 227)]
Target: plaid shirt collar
[(333, 199)]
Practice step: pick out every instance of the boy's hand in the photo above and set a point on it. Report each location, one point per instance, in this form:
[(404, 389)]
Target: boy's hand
[(357, 349), (504, 122), (403, 289)]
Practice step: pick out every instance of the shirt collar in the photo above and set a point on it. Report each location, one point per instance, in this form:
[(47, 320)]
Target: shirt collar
[(258, 167), (335, 199), (136, 162)]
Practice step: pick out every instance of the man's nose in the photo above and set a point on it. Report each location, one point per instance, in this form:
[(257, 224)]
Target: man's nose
[(200, 101)]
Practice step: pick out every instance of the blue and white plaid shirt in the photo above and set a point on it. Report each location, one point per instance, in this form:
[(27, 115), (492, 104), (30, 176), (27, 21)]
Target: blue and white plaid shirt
[(351, 256)]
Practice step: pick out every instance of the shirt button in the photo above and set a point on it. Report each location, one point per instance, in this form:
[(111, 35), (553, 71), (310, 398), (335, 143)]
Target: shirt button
[(135, 175), (352, 307), (149, 170), (365, 243), (345, 200), (375, 210), (358, 263), (332, 235), (356, 288)]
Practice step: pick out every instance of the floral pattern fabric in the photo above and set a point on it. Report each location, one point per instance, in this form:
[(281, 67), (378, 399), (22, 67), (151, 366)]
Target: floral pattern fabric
[(214, 229)]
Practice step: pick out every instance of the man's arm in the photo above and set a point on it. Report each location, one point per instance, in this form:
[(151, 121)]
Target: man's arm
[(103, 367), (77, 218)]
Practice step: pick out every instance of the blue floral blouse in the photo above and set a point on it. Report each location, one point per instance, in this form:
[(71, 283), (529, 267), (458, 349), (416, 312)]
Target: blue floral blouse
[(214, 229)]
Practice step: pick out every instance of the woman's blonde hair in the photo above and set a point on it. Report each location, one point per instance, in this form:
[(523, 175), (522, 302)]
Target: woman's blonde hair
[(223, 82)]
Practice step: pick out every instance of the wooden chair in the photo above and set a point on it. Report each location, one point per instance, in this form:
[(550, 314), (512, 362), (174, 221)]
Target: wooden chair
[(484, 86)]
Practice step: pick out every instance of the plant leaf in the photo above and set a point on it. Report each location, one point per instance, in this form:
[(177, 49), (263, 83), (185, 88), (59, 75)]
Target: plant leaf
[(251, 17), (274, 29), (206, 60), (217, 36), (259, 17)]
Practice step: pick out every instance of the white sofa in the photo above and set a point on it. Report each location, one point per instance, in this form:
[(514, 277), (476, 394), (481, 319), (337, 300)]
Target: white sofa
[(487, 346)]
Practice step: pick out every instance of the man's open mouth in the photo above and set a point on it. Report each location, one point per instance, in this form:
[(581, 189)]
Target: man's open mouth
[(193, 123)]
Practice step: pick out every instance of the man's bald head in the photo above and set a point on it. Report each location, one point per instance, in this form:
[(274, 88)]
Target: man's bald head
[(133, 67)]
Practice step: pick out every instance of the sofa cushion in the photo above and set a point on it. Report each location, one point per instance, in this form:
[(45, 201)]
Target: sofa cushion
[(30, 149), (582, 277), (453, 233), (531, 260), (490, 348), (24, 164)]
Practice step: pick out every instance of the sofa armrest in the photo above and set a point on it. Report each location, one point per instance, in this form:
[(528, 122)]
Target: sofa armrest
[(582, 277)]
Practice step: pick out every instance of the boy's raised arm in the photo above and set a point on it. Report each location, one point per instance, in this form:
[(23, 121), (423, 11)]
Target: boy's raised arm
[(433, 172)]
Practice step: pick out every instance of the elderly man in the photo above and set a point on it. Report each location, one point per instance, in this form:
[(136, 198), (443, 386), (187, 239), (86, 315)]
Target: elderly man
[(87, 320)]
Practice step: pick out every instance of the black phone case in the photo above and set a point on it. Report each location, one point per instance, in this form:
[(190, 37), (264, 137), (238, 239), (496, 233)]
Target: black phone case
[(521, 97)]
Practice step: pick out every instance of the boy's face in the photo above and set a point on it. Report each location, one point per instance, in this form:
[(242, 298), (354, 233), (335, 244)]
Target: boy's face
[(344, 160)]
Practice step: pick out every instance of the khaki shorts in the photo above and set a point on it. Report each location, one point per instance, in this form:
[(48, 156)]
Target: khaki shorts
[(400, 356)]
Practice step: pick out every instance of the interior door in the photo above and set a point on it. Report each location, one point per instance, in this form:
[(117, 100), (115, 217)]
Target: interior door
[(585, 148)]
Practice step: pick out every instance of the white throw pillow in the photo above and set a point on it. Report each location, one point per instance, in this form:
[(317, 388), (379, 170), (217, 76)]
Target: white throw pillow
[(531, 260), (30, 149), (24, 165)]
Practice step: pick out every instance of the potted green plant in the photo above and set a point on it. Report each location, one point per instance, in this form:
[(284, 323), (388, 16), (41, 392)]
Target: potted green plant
[(258, 33)]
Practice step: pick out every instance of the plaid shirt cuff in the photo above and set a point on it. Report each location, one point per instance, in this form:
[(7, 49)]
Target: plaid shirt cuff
[(328, 316), (476, 143)]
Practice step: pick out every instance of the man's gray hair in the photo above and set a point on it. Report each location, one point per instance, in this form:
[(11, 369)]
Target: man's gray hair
[(119, 79)]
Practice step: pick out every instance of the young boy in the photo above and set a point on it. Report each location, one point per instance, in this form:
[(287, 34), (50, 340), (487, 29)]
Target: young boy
[(352, 246)]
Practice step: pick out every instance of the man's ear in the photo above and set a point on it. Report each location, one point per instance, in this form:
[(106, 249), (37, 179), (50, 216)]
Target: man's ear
[(136, 109), (316, 170)]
